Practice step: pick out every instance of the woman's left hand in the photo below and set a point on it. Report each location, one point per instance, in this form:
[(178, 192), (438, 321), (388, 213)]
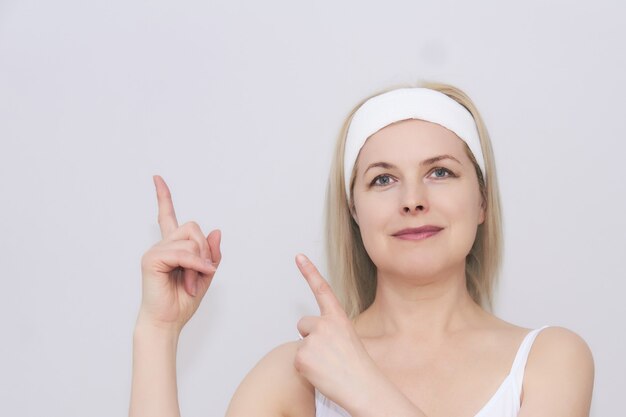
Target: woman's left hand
[(331, 356)]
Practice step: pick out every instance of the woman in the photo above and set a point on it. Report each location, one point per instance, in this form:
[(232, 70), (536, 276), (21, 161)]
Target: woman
[(414, 237)]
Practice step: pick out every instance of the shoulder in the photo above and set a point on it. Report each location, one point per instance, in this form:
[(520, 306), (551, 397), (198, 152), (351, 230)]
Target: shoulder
[(560, 347), (559, 375), (274, 388)]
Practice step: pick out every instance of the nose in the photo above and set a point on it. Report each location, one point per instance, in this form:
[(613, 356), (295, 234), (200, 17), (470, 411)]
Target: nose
[(414, 199), (408, 209)]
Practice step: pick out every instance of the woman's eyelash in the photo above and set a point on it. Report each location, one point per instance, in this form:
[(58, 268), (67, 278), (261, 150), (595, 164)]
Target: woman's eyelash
[(443, 171), (376, 179), (386, 179)]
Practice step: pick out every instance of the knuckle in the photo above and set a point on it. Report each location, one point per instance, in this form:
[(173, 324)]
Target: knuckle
[(193, 246), (192, 225), (151, 259), (149, 255), (309, 324), (146, 259), (299, 361), (297, 364)]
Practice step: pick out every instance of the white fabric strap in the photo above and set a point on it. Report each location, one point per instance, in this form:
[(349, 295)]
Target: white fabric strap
[(519, 363), (409, 103)]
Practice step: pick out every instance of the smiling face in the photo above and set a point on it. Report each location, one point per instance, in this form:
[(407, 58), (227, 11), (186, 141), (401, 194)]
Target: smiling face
[(417, 200)]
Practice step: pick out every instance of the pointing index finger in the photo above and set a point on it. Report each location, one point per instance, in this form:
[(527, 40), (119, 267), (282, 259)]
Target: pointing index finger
[(322, 291), (167, 215)]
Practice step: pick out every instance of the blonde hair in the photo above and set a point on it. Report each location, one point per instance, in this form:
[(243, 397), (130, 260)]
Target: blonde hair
[(352, 272)]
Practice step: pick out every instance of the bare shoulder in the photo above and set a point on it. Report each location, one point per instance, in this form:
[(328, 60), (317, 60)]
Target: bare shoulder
[(559, 374), (561, 338), (560, 347), (273, 388)]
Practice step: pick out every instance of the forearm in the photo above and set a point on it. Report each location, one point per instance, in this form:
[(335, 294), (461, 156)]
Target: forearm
[(154, 392)]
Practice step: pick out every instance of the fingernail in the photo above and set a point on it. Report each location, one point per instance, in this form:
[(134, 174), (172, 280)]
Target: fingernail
[(209, 263), (301, 259), (194, 288)]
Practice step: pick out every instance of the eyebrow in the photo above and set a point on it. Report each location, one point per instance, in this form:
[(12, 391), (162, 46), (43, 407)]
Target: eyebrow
[(429, 161)]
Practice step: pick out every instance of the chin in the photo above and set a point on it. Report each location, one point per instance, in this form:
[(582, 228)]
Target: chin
[(421, 268)]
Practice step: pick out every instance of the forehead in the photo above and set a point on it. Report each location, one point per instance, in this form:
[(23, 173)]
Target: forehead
[(411, 141)]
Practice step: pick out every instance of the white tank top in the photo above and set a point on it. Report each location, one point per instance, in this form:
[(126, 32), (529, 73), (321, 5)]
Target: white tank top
[(505, 402)]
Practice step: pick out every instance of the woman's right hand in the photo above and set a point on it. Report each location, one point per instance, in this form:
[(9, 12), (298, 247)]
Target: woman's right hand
[(177, 271)]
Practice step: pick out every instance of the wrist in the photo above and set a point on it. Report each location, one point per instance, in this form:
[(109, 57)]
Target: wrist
[(154, 389), (148, 328)]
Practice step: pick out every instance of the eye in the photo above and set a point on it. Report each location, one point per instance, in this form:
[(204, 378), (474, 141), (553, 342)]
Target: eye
[(382, 180), (442, 173)]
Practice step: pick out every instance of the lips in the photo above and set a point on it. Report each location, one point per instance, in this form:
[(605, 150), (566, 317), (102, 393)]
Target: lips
[(417, 233)]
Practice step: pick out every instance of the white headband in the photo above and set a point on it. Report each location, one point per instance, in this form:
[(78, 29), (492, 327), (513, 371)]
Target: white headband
[(409, 103)]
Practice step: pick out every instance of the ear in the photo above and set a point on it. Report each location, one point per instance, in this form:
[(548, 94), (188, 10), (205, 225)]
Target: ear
[(482, 214), (353, 213)]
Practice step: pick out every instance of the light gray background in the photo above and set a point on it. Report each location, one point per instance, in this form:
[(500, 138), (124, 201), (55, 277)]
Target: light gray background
[(237, 105)]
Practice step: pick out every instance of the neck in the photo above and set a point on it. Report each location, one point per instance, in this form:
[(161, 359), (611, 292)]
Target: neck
[(419, 308)]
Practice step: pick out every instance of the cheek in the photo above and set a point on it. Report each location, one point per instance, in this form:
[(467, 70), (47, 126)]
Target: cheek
[(369, 219), (464, 214), (460, 208), (372, 217), (460, 204)]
